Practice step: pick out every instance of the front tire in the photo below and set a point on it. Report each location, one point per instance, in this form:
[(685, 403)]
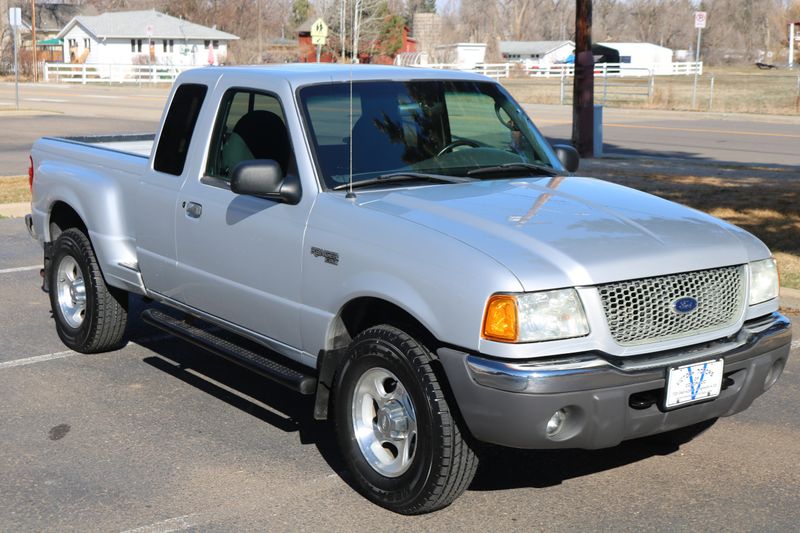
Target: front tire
[(396, 431), (90, 316)]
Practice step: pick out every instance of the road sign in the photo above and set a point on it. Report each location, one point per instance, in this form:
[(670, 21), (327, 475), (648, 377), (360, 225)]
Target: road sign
[(700, 18), (14, 17), (319, 29)]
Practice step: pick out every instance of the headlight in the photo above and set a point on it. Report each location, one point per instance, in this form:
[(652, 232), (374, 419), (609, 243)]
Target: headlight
[(763, 281), (535, 316)]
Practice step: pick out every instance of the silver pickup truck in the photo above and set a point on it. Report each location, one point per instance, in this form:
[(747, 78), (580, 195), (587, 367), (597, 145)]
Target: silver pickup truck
[(406, 246)]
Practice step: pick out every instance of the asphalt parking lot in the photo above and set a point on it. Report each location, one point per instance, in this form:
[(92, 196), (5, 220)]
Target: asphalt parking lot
[(160, 436)]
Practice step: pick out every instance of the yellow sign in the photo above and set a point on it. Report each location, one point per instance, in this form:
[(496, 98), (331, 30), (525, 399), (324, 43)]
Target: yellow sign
[(319, 29)]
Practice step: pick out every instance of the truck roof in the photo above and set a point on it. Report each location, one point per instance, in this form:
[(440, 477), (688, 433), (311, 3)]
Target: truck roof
[(298, 74)]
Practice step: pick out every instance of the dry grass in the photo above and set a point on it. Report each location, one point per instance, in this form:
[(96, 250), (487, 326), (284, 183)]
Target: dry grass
[(14, 189), (742, 90), (765, 202)]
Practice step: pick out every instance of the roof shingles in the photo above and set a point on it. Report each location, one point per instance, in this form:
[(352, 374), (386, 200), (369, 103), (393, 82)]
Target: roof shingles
[(134, 24)]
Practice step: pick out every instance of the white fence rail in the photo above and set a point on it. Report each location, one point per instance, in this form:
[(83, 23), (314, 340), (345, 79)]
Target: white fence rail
[(89, 73), (493, 70), (604, 70)]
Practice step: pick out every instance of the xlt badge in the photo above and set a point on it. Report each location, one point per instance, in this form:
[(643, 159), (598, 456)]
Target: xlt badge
[(332, 258)]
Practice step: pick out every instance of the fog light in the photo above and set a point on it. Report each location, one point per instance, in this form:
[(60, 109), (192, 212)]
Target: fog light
[(556, 422)]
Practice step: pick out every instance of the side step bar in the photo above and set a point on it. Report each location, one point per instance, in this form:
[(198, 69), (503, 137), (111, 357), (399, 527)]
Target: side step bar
[(261, 364)]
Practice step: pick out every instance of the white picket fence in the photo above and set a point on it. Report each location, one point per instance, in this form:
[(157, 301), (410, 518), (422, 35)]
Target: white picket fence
[(91, 73), (621, 70)]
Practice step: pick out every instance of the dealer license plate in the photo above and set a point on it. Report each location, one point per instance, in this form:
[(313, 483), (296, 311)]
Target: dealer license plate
[(694, 383)]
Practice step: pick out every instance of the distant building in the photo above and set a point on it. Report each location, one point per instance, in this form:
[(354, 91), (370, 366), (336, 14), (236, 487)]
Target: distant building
[(50, 19), (643, 55), (142, 37), (536, 52), (308, 50), (427, 28), (465, 55)]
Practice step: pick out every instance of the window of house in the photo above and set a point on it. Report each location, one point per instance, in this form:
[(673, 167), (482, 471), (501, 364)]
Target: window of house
[(215, 44), (250, 125), (164, 45), (206, 44), (133, 45), (138, 45), (87, 44), (171, 45)]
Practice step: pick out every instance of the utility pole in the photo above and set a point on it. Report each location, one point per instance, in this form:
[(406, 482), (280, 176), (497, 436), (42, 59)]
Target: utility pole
[(583, 88), (33, 43)]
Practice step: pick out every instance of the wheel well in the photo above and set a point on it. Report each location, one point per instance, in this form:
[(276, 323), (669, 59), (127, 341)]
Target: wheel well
[(362, 313), (63, 217)]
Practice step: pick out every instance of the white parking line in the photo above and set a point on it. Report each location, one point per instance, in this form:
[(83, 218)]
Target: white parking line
[(20, 269), (795, 345), (37, 359), (179, 523)]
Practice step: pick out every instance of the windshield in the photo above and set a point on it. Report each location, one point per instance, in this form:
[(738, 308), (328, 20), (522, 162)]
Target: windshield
[(444, 127)]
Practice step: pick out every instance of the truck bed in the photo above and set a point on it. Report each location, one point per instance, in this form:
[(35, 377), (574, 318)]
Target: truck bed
[(139, 144)]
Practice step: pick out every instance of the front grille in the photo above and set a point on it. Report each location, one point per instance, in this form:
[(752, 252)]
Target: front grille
[(642, 311)]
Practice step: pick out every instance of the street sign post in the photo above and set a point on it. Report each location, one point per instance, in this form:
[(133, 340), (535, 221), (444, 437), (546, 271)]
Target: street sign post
[(319, 34), (700, 18), (15, 21)]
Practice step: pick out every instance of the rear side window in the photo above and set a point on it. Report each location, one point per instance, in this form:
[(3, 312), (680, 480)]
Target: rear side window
[(178, 128)]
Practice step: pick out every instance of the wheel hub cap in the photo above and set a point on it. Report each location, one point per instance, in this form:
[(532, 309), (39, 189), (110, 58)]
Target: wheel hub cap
[(384, 422), (70, 292), (393, 421)]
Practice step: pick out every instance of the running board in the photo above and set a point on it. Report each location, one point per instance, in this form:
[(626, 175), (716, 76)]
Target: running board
[(260, 363)]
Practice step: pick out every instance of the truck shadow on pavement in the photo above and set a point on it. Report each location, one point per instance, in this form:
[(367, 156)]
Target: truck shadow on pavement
[(500, 468), (506, 468)]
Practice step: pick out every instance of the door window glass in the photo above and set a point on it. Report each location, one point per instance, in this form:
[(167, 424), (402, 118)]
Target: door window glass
[(250, 126)]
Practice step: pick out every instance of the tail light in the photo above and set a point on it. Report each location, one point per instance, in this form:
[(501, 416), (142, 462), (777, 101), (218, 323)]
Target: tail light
[(30, 173)]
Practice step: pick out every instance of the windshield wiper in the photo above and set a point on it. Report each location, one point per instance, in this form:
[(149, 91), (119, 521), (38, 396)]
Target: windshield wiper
[(541, 170), (403, 176)]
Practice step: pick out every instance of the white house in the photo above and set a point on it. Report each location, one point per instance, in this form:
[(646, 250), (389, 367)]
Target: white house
[(644, 55), (142, 37), (536, 52), (465, 55)]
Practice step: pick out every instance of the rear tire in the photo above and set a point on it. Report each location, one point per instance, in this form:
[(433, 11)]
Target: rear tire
[(90, 316), (396, 431)]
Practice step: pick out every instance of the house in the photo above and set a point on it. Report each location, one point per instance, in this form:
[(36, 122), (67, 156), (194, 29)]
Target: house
[(142, 37), (465, 55), (536, 52), (50, 19), (650, 56)]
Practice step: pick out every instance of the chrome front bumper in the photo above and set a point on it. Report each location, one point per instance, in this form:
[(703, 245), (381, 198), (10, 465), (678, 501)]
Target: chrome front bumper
[(509, 403)]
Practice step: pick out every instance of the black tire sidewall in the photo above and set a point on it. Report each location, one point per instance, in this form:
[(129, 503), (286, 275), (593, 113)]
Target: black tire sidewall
[(69, 244), (401, 491)]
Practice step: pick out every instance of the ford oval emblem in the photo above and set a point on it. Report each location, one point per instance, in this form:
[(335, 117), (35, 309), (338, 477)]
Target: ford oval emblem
[(684, 305)]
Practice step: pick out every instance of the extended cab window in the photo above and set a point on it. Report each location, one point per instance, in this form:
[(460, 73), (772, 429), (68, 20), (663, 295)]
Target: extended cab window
[(250, 125), (176, 135)]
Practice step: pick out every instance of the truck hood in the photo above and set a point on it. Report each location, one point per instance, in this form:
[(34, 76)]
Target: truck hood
[(568, 231)]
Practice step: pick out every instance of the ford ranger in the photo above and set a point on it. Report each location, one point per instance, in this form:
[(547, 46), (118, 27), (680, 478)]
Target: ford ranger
[(404, 245)]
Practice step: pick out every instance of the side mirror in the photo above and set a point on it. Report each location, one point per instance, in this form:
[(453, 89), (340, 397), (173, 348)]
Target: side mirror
[(568, 156), (264, 178)]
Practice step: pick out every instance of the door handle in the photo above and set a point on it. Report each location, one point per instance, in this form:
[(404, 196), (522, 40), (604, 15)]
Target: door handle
[(194, 210)]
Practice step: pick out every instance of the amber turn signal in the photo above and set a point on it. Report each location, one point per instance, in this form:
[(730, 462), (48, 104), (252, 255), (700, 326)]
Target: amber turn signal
[(500, 319)]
